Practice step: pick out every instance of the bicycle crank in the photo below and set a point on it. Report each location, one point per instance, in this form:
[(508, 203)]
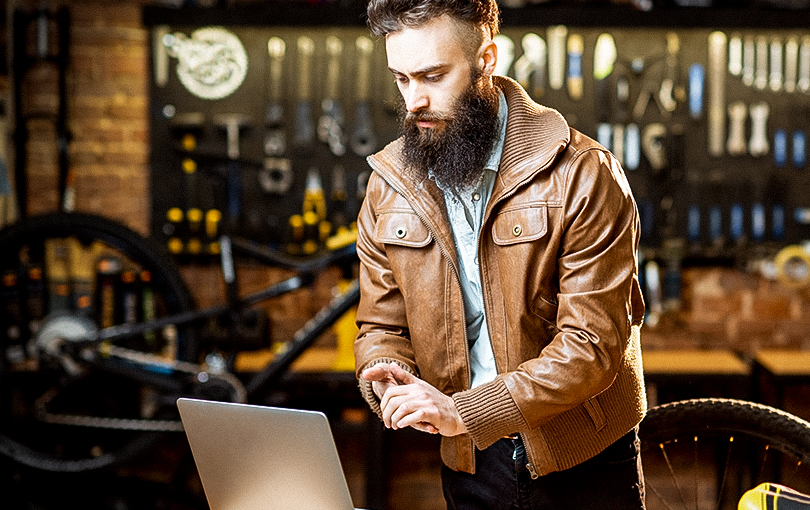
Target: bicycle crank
[(72, 341)]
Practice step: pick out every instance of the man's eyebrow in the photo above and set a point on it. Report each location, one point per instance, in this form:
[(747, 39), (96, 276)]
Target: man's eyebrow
[(422, 71)]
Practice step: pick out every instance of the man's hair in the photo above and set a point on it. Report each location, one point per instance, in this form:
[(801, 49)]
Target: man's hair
[(388, 16)]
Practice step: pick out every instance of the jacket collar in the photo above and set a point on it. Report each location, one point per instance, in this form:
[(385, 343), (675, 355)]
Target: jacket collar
[(535, 135)]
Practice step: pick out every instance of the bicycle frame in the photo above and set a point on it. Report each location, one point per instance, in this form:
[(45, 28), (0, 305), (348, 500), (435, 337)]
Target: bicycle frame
[(301, 339)]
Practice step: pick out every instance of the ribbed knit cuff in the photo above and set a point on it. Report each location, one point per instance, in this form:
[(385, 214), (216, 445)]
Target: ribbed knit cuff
[(489, 412), (366, 389)]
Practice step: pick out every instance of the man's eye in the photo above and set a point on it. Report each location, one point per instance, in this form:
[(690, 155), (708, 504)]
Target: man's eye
[(433, 77)]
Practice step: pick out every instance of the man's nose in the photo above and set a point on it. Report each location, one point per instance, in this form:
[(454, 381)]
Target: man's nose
[(415, 97)]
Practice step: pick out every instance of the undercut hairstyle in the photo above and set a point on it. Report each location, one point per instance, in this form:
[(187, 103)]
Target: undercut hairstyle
[(479, 17)]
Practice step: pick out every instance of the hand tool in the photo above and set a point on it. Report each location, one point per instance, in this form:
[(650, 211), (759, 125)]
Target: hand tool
[(780, 148), (556, 37), (716, 225), (632, 150), (652, 144), (761, 70), (233, 123), (735, 55), (791, 64), (618, 142), (188, 126), (693, 230), (160, 58), (530, 68), (506, 54), (652, 276), (758, 221), (758, 144), (275, 142), (697, 76), (749, 61), (576, 46), (338, 198), (736, 220), (666, 93), (717, 93), (737, 115), (803, 82), (604, 57), (778, 222), (276, 176), (330, 125), (213, 217), (304, 131), (799, 144), (775, 77), (363, 140)]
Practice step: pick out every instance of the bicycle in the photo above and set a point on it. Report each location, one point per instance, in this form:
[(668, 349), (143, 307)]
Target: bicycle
[(706, 453), (77, 397)]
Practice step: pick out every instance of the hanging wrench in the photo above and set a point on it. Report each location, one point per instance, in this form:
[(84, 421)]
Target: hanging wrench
[(530, 68), (735, 55), (556, 36), (506, 54), (275, 142), (717, 93), (363, 141), (749, 61), (666, 93), (775, 79), (791, 64), (761, 72), (803, 82), (737, 112), (304, 130), (758, 145), (330, 125)]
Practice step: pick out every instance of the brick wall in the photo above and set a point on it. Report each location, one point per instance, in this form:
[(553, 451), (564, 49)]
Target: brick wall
[(107, 113)]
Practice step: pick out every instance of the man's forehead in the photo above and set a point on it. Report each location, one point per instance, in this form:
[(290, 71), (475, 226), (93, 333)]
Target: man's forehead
[(433, 43)]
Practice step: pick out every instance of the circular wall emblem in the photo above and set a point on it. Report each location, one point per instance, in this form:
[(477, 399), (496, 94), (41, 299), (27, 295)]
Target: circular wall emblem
[(211, 63)]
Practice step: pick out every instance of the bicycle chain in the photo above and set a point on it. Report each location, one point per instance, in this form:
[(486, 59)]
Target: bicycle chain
[(137, 424)]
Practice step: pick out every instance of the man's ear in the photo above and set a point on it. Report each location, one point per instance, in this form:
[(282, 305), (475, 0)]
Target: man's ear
[(487, 57)]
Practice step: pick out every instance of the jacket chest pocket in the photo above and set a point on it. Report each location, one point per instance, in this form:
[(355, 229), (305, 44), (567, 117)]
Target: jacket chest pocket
[(401, 228), (520, 225)]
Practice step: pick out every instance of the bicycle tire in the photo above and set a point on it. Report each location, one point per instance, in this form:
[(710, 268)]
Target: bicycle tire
[(705, 453), (75, 448)]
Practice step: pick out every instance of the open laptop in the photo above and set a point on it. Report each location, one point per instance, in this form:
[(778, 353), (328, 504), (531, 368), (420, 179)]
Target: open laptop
[(254, 457)]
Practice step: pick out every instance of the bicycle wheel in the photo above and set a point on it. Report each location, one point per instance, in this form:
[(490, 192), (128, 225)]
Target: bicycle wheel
[(84, 270), (705, 453)]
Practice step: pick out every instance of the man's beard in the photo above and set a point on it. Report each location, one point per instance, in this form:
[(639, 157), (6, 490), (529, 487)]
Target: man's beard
[(456, 150)]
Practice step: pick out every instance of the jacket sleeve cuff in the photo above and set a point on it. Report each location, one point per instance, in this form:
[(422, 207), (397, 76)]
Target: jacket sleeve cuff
[(489, 412), (366, 389)]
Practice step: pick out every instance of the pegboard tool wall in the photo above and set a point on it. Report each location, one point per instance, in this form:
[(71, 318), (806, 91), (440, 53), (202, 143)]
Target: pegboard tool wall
[(718, 205), (273, 179)]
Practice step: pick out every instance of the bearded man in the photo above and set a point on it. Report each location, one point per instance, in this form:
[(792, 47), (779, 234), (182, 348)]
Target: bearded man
[(500, 304)]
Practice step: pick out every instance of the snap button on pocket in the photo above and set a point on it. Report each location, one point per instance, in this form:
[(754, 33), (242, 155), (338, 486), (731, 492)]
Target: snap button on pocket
[(400, 233), (517, 230)]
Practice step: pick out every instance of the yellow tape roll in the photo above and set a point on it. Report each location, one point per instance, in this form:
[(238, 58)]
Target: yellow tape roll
[(793, 266)]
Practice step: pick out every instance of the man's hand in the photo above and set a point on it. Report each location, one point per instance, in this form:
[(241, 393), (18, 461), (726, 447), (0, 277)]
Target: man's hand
[(408, 401)]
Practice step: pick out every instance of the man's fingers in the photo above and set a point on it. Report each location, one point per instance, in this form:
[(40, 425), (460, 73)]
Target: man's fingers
[(402, 376), (378, 372)]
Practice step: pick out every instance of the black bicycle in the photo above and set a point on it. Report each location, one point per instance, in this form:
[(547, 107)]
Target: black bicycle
[(86, 383)]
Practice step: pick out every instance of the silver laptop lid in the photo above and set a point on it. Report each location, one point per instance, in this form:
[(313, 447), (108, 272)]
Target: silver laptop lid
[(255, 457)]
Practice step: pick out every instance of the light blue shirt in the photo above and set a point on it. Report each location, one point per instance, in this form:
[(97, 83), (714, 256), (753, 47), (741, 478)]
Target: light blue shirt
[(466, 212)]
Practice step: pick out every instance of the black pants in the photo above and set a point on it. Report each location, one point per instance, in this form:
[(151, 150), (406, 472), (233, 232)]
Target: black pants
[(612, 480)]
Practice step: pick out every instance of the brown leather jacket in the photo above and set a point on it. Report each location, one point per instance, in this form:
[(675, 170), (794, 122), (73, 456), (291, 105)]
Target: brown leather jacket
[(558, 267)]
